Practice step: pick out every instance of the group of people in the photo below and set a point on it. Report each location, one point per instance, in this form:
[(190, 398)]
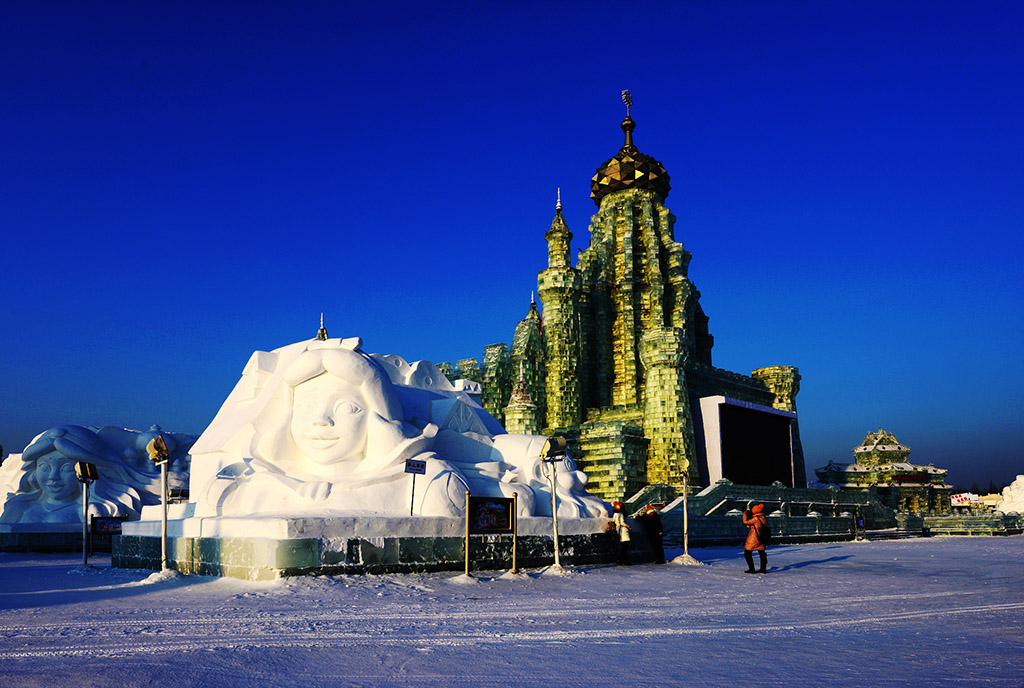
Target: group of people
[(758, 535), (651, 521)]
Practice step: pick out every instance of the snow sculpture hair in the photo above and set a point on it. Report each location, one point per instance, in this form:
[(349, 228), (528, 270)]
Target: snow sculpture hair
[(320, 427), (46, 489)]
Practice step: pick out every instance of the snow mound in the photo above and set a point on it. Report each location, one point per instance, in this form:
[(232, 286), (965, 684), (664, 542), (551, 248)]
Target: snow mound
[(685, 560), (559, 571), (463, 579), (508, 575), (160, 577)]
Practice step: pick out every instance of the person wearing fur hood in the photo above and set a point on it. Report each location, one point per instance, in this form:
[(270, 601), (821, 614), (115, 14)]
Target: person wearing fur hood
[(756, 538)]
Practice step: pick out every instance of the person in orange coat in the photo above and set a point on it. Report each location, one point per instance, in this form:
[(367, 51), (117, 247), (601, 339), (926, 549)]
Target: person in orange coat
[(754, 520)]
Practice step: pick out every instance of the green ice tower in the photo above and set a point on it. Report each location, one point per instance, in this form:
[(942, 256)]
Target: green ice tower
[(559, 291), (639, 310)]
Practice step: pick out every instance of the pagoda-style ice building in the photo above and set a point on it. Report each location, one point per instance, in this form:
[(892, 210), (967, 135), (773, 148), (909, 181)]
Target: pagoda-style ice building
[(620, 361), (882, 468)]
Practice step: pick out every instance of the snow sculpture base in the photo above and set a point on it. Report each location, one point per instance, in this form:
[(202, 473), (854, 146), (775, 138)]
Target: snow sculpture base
[(309, 545), (49, 537), (42, 537)]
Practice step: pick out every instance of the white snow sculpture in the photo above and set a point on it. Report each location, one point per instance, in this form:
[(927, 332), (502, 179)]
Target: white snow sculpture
[(1013, 497), (42, 486), (321, 428)]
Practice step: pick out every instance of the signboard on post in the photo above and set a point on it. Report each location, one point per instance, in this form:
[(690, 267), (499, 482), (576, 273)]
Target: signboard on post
[(415, 466), (491, 515), (107, 525), (103, 527)]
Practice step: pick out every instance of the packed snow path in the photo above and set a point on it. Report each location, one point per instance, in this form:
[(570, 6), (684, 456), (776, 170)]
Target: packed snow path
[(902, 613)]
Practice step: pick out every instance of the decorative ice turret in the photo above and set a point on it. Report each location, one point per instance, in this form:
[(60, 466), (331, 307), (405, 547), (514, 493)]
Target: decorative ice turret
[(321, 428), (42, 487)]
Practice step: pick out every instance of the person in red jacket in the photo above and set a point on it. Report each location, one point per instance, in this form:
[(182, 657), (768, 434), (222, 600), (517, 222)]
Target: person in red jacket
[(755, 521)]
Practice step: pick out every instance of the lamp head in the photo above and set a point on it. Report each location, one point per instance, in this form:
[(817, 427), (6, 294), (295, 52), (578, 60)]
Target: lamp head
[(157, 449), (86, 472), (555, 446)]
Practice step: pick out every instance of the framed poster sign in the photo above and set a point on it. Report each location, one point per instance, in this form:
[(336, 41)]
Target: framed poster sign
[(107, 525), (490, 515)]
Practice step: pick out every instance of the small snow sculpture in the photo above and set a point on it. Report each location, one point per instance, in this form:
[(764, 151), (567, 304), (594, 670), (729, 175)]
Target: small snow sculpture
[(1013, 497), (320, 428), (45, 489)]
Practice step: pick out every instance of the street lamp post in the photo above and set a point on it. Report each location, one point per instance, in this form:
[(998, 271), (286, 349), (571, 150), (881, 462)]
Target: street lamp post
[(87, 474), (552, 452), (685, 557), (686, 519), (159, 455)]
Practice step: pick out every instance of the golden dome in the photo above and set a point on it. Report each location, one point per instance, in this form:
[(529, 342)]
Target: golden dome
[(630, 169)]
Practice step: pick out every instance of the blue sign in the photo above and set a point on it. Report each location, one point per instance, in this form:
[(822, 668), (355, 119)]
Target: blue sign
[(415, 466)]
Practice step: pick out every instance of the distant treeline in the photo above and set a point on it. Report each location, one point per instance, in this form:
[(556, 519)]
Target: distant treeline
[(993, 488)]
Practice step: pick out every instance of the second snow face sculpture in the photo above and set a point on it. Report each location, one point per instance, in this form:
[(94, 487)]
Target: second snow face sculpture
[(320, 427), (43, 487)]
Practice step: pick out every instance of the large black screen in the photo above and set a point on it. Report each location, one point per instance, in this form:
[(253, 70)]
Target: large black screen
[(756, 447)]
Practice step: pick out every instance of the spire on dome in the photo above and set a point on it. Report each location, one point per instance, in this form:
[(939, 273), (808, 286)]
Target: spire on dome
[(628, 125), (629, 169), (322, 332), (558, 204)]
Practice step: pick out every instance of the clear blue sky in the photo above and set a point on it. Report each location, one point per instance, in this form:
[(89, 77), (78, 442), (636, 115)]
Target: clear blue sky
[(185, 183)]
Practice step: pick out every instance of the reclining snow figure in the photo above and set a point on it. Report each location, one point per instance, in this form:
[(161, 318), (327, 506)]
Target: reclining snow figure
[(321, 428), (43, 486), (1013, 497)]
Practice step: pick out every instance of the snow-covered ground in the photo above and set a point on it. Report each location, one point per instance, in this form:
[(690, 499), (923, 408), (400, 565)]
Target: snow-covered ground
[(929, 612)]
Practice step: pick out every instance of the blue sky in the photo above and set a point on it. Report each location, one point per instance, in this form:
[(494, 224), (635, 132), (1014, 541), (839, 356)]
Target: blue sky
[(184, 183)]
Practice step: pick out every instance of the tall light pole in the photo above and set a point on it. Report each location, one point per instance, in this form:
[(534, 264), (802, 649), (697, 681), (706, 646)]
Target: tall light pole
[(686, 515), (159, 455), (86, 473), (685, 557), (552, 452)]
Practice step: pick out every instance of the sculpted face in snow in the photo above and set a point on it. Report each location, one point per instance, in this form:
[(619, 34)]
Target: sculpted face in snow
[(321, 428), (333, 415), (328, 420), (56, 476)]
